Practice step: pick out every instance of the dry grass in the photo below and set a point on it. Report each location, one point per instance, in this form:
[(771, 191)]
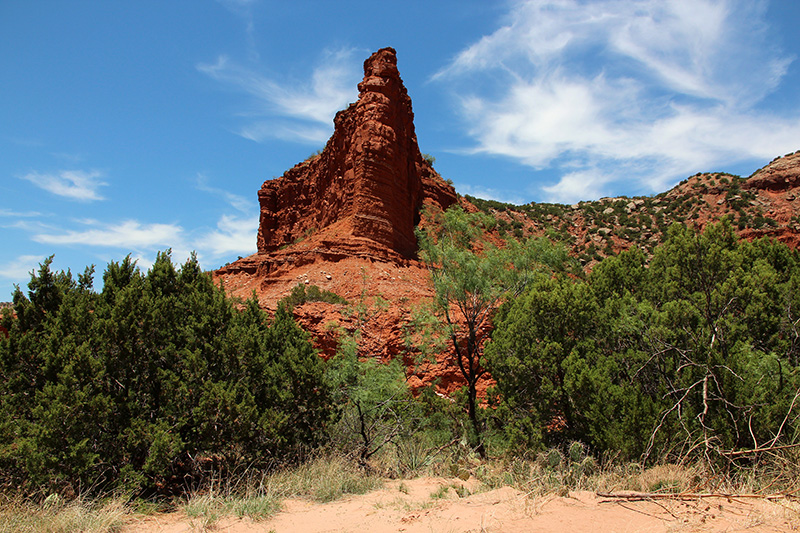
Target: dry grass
[(254, 495), (259, 496), (552, 473), (323, 479), (57, 516)]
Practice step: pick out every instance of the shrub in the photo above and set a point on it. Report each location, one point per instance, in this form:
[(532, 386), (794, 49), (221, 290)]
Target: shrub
[(155, 380), (303, 293)]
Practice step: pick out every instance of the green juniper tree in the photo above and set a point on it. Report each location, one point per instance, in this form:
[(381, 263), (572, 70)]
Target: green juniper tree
[(128, 388), (694, 355), (471, 278)]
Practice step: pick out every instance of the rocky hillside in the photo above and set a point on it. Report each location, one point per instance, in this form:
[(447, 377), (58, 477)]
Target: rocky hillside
[(344, 220), (765, 204)]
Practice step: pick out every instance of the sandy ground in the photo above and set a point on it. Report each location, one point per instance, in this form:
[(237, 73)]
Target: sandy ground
[(410, 506)]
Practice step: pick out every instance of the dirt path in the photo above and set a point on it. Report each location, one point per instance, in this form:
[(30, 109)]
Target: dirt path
[(415, 506)]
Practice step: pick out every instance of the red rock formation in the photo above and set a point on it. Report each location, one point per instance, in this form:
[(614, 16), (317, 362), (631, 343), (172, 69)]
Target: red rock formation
[(369, 182), (358, 200), (781, 174), (777, 188), (344, 221)]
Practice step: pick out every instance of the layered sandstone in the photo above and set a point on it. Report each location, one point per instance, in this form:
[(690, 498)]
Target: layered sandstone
[(369, 182), (344, 221), (359, 200), (777, 190)]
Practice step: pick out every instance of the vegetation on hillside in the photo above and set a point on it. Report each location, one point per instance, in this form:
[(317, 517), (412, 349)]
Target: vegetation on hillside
[(149, 382), (160, 382), (599, 229), (693, 356)]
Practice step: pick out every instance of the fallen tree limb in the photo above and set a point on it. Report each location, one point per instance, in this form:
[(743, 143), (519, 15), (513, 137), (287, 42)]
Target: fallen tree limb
[(643, 496), (738, 453)]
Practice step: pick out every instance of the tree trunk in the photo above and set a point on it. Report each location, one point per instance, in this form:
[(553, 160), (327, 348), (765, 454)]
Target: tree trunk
[(472, 396)]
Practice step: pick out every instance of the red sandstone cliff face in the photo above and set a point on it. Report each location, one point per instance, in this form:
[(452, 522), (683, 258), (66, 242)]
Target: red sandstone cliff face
[(369, 182), (344, 221), (352, 208), (777, 187), (782, 174)]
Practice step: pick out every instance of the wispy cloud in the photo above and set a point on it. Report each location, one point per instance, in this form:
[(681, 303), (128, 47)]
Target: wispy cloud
[(244, 9), (18, 214), (240, 203), (290, 109), (611, 91), (488, 193), (20, 267), (129, 234), (233, 235), (73, 184)]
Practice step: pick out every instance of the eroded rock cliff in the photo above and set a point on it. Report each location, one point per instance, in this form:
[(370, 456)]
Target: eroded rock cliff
[(369, 182), (344, 221)]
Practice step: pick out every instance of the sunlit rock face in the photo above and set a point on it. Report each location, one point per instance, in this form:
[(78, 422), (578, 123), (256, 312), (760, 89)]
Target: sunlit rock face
[(369, 182), (344, 221)]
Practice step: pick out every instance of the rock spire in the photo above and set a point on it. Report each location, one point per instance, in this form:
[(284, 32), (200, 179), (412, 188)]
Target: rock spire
[(367, 186)]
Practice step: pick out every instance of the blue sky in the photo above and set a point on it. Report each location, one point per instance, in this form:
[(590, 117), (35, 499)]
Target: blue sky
[(133, 127)]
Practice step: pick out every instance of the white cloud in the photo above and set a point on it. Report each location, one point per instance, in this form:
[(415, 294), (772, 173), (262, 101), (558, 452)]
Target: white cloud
[(129, 234), (21, 267), (19, 214), (291, 109), (234, 235), (613, 91), (244, 9), (73, 184), (488, 193), (279, 129), (240, 203), (576, 185)]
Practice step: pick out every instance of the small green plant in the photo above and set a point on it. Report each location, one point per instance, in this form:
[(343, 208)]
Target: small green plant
[(440, 493), (205, 511), (460, 490), (302, 293), (554, 458), (257, 507), (315, 154)]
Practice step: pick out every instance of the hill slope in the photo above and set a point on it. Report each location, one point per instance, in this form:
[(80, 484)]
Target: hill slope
[(343, 221), (765, 204)]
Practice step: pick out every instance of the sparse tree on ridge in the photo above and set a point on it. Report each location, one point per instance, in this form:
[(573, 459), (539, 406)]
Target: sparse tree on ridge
[(471, 278)]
